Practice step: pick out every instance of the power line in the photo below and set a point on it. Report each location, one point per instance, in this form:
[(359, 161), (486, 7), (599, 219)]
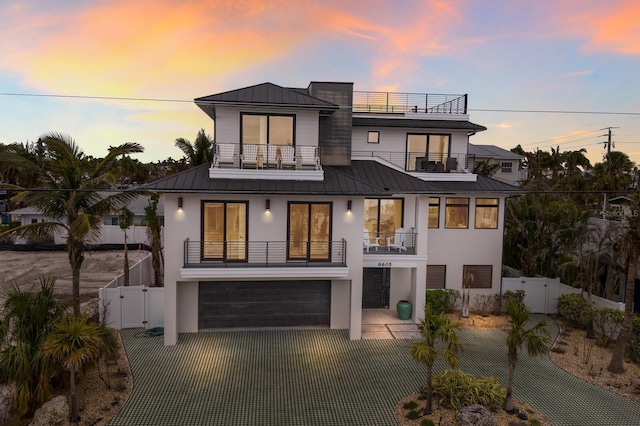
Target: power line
[(104, 98), (552, 111)]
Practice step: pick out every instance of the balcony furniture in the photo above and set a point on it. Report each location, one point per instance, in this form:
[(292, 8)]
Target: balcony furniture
[(366, 241), (273, 152), (249, 156), (308, 157), (225, 153), (422, 164), (398, 241), (452, 164), (287, 157)]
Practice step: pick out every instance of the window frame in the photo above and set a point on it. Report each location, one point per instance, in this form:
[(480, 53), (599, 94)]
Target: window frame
[(481, 207), (506, 169), (377, 230), (479, 273), (443, 271), (268, 115), (454, 205), (224, 257), (308, 257), (429, 213), (371, 133), (410, 162)]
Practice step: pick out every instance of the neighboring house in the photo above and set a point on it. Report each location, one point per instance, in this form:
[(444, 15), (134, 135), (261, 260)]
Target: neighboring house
[(110, 232), (510, 170), (323, 201)]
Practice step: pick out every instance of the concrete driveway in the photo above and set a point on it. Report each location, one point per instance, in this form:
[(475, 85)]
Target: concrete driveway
[(319, 377)]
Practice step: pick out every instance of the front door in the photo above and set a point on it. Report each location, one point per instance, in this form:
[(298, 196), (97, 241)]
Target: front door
[(375, 288)]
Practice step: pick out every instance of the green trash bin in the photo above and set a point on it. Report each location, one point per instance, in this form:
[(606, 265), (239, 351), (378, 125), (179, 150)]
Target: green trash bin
[(404, 309)]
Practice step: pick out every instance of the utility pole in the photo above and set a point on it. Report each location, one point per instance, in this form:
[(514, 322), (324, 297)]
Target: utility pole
[(608, 143)]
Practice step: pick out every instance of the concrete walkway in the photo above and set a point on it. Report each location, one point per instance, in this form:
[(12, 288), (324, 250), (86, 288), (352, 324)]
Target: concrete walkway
[(319, 377)]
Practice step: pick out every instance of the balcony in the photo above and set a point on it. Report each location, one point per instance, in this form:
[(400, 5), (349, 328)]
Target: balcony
[(249, 161), (407, 103), (391, 243), (420, 162), (265, 254)]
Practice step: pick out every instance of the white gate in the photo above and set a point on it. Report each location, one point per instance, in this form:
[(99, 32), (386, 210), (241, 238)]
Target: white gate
[(540, 293), (132, 307)]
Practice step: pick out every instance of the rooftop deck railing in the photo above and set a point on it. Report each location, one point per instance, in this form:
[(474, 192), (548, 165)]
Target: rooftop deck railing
[(264, 254), (391, 102), (421, 162)]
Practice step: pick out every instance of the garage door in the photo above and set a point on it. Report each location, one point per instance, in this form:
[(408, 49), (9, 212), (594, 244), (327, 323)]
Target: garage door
[(264, 304)]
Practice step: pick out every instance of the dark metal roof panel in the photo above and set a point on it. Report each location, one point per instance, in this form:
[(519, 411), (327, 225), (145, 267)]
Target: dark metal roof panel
[(416, 123), (266, 94), (483, 184)]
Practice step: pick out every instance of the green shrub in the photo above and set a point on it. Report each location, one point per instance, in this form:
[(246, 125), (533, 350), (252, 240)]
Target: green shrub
[(456, 389), (558, 349), (410, 405), (427, 422), (414, 415), (535, 422), (575, 309), (607, 323), (633, 347), (486, 304), (442, 300), (513, 296)]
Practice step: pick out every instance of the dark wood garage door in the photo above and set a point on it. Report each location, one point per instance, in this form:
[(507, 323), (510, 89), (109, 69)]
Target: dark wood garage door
[(264, 304)]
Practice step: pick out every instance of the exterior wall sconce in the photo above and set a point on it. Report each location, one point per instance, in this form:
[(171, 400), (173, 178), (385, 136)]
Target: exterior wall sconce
[(267, 204), (349, 205), (179, 203)]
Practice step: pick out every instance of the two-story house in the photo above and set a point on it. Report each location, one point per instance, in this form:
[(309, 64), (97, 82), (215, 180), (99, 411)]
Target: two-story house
[(324, 201)]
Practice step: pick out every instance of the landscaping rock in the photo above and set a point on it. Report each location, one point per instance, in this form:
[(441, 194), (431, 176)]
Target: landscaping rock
[(475, 415), (54, 412), (523, 416), (5, 403)]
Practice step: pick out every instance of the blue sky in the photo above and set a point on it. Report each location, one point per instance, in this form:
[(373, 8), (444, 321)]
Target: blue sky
[(564, 55)]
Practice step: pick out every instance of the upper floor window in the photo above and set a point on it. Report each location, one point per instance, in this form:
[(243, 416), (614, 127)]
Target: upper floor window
[(457, 213), (427, 152), (487, 213), (383, 216), (373, 136), (267, 129), (434, 212), (224, 230), (506, 167)]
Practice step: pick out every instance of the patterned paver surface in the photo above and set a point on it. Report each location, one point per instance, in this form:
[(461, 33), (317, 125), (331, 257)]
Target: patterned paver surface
[(319, 377)]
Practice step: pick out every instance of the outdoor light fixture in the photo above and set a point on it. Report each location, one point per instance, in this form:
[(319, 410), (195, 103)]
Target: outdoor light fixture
[(180, 203), (268, 204), (349, 206)]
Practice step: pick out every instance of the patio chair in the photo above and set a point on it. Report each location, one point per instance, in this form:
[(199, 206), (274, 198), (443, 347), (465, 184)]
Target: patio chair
[(273, 155), (249, 156), (452, 164), (225, 153), (398, 241), (366, 241), (287, 158), (308, 156)]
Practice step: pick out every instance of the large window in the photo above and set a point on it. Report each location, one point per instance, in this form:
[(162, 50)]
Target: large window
[(486, 213), (427, 152), (479, 276), (224, 230), (267, 129), (309, 231), (434, 212), (383, 216), (457, 213), (436, 276)]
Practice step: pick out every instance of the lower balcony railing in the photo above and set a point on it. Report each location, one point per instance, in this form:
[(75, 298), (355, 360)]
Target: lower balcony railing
[(264, 254), (425, 163)]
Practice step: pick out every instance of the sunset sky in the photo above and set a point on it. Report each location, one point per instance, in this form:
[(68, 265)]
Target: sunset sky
[(560, 55)]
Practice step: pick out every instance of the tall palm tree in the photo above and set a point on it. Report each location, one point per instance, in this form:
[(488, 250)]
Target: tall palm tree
[(200, 152), (576, 159), (74, 342), (25, 322), (154, 229), (70, 195), (486, 168), (125, 220), (535, 338), (436, 328)]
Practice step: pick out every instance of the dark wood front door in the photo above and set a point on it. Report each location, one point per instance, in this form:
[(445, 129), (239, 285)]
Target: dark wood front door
[(375, 288)]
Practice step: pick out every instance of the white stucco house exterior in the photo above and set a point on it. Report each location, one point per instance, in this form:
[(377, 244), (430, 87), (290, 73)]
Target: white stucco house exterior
[(324, 201)]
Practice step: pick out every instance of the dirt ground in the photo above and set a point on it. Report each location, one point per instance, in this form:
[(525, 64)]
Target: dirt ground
[(98, 269)]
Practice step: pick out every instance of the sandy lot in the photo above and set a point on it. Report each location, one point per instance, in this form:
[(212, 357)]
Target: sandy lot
[(98, 269)]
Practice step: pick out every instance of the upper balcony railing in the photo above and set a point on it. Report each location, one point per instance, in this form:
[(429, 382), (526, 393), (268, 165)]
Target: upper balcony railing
[(250, 156), (265, 254), (401, 103), (424, 163)]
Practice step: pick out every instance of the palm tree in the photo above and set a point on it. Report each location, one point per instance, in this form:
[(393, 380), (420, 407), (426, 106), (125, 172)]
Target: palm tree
[(125, 220), (576, 159), (25, 322), (73, 199), (535, 338), (74, 342), (486, 168), (154, 227), (436, 328), (200, 152)]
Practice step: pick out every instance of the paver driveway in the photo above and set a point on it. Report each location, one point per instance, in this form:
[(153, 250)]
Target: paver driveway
[(319, 377)]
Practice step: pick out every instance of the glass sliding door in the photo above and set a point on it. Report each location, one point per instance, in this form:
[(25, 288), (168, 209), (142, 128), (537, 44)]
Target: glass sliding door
[(224, 231), (383, 216), (309, 231)]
